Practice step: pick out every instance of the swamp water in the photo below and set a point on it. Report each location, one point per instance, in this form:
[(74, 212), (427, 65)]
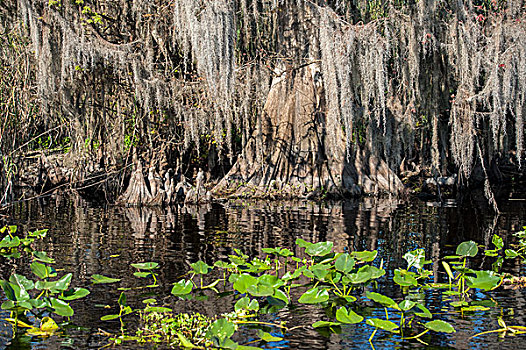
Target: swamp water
[(89, 239)]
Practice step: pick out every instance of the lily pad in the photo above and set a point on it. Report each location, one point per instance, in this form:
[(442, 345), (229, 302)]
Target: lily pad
[(485, 280), (381, 299), (344, 263), (201, 268), (439, 326), (365, 256), (182, 287), (348, 316), (383, 324), (100, 279), (468, 248), (146, 266), (314, 296), (319, 249)]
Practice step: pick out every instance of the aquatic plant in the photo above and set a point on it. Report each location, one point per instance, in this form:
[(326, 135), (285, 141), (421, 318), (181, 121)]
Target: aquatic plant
[(47, 294), (340, 283)]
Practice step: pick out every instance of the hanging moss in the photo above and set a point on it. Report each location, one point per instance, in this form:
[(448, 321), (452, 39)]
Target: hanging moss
[(396, 84)]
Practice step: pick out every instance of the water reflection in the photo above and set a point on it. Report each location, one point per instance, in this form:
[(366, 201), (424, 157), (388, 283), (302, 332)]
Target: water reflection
[(87, 239)]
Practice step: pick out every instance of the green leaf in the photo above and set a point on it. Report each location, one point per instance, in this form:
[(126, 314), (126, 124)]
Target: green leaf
[(382, 324), (243, 282), (270, 280), (267, 337), (38, 233), (406, 305), (416, 258), (405, 278), (260, 290), (485, 280), (74, 294), (344, 263), (185, 342), (280, 295), (319, 249), (61, 308), (63, 283), (182, 287), (473, 308), (42, 257), (146, 266), (221, 329), (348, 316), (459, 303), (314, 296), (425, 312), (8, 242), (497, 242), (42, 271), (468, 248), (448, 270), (439, 326), (363, 275), (22, 281), (381, 299), (201, 268), (303, 244), (511, 254), (99, 279), (8, 305), (8, 290), (246, 303), (109, 317), (325, 324), (142, 274), (320, 271), (122, 299), (158, 309), (365, 256)]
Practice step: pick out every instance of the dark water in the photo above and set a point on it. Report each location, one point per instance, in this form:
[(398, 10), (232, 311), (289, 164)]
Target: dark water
[(87, 239)]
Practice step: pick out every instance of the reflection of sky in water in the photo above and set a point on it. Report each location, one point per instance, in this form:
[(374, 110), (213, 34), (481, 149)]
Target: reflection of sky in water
[(85, 240)]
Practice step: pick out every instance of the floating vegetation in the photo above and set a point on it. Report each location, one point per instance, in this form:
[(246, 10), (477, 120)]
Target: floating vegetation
[(342, 284)]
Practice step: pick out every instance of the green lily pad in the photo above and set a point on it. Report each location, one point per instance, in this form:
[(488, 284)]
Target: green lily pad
[(485, 280), (74, 294), (381, 299), (365, 256), (201, 268), (348, 316), (243, 282), (182, 287), (468, 248), (319, 249), (344, 263), (314, 296), (100, 279), (221, 329), (146, 266), (22, 281), (439, 326), (405, 278), (406, 305), (42, 257), (246, 303), (416, 258), (42, 271), (61, 308), (383, 324), (267, 337)]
